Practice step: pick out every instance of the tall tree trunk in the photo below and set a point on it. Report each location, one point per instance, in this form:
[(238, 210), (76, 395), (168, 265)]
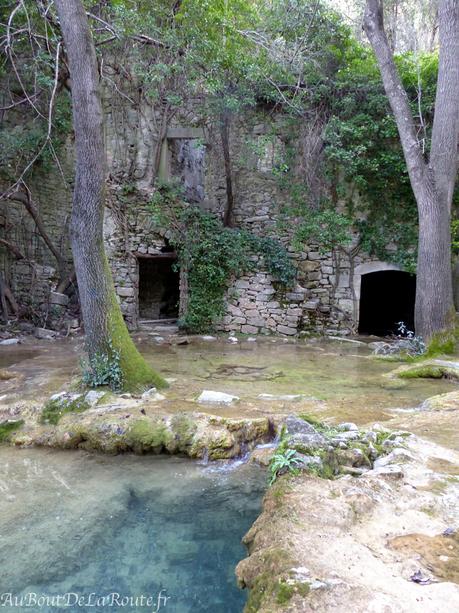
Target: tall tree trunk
[(434, 289), (432, 182), (106, 332)]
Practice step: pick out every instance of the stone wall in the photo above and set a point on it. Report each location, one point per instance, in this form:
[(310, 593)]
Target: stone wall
[(324, 299), (33, 277)]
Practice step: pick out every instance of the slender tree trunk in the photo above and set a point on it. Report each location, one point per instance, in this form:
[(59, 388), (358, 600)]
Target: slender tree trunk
[(184, 292), (25, 198), (106, 332), (432, 182), (228, 220), (4, 308)]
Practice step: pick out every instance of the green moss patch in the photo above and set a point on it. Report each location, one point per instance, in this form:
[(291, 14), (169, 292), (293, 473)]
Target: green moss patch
[(443, 343), (269, 584), (147, 435), (8, 427), (426, 371), (136, 373), (54, 409)]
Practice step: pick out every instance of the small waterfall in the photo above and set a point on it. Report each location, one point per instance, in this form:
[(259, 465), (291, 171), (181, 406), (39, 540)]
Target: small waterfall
[(188, 165), (205, 458)]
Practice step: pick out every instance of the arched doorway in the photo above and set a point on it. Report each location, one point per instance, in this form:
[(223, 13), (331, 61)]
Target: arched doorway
[(386, 298)]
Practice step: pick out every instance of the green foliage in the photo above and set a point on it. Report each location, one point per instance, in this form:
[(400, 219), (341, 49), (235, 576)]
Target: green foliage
[(54, 409), (8, 427), (364, 188), (210, 254), (27, 135), (284, 460), (275, 256), (364, 155), (104, 369), (327, 227)]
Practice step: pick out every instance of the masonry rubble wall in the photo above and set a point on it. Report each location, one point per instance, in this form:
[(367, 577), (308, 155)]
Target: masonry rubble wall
[(323, 299)]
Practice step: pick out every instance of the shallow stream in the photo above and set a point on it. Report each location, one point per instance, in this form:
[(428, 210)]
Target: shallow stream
[(339, 381)]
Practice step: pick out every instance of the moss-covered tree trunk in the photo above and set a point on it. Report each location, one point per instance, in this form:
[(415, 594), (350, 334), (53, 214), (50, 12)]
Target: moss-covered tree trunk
[(106, 332)]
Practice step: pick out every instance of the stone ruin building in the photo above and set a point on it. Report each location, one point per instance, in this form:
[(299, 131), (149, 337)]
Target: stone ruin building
[(335, 293)]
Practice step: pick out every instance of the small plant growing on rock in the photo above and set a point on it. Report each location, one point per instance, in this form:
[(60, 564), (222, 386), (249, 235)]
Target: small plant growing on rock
[(104, 369), (285, 460), (404, 343)]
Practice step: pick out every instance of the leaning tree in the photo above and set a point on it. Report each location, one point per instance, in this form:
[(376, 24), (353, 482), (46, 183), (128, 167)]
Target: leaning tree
[(107, 338), (432, 177)]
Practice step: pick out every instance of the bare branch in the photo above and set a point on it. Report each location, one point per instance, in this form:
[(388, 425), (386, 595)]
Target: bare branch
[(14, 250)]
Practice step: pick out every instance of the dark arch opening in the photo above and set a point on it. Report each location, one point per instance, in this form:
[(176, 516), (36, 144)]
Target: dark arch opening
[(159, 291), (386, 298)]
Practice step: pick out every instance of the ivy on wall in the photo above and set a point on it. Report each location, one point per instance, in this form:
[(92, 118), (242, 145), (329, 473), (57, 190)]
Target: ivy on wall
[(210, 254)]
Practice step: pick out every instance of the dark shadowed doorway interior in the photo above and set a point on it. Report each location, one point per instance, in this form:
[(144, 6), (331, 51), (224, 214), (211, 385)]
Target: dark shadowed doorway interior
[(386, 298), (158, 287)]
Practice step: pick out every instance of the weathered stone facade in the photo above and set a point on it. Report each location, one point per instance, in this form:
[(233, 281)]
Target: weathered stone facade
[(325, 298)]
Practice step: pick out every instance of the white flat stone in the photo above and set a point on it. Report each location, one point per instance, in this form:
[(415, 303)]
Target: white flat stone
[(10, 341), (209, 397)]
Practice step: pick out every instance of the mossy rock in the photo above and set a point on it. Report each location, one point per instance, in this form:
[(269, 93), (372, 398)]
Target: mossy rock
[(146, 435), (436, 369), (183, 431), (7, 428), (54, 409), (442, 402), (266, 575)]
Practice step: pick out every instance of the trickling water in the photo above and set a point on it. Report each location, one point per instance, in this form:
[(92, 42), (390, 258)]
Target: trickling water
[(188, 165), (81, 524)]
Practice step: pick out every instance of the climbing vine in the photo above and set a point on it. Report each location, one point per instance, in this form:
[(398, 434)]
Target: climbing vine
[(359, 187), (210, 254)]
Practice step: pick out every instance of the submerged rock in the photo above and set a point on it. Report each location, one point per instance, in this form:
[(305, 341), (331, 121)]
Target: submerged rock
[(10, 341), (286, 397), (442, 402), (211, 397)]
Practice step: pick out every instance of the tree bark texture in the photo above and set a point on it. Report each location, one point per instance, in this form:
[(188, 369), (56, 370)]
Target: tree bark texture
[(105, 329), (432, 181)]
